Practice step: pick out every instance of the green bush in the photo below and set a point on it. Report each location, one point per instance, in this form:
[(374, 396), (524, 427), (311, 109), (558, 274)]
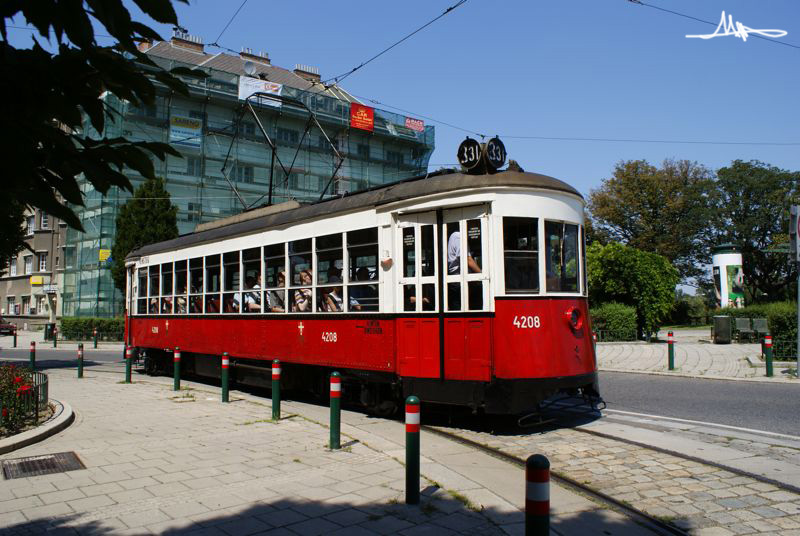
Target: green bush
[(781, 317), (81, 328), (614, 321)]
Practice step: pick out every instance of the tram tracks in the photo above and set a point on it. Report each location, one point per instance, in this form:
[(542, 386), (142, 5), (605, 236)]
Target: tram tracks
[(642, 518)]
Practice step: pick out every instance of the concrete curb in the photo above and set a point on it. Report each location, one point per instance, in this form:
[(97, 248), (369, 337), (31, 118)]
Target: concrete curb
[(788, 380), (61, 420)]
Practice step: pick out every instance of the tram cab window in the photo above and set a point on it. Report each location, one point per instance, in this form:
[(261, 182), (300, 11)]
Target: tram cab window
[(561, 256), (141, 288), (166, 288), (275, 274), (180, 287), (212, 278), (521, 254), (152, 307), (231, 272), (196, 285), (427, 251), (362, 254), (251, 262)]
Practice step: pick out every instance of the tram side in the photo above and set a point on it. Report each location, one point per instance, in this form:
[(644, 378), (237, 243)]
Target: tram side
[(498, 329)]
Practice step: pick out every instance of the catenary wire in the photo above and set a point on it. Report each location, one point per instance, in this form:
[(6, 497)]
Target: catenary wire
[(230, 21)]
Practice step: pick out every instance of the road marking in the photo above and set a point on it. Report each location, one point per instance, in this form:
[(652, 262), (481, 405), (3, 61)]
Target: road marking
[(716, 425)]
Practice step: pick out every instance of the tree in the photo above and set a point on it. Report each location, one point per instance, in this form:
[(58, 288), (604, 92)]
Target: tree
[(146, 218), (753, 213), (626, 275), (12, 239), (51, 100), (661, 210)]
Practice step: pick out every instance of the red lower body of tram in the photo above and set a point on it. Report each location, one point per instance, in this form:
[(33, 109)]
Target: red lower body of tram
[(504, 362)]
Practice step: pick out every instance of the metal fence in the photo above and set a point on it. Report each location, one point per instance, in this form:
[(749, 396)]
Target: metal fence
[(784, 349), (30, 403)]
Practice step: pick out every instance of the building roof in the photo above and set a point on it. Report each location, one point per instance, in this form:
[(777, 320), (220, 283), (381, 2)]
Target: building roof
[(170, 50), (414, 187)]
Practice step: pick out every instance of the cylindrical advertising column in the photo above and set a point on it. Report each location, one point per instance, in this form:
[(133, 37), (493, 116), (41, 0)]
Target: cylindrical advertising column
[(728, 275)]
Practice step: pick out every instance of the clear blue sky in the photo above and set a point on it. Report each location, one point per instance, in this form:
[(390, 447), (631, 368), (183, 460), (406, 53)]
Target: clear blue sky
[(585, 68)]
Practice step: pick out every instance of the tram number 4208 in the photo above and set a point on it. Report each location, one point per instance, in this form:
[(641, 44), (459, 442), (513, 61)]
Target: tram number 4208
[(527, 322), (328, 336)]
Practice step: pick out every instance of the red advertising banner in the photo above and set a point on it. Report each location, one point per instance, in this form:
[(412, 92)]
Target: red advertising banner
[(362, 117), (415, 124)]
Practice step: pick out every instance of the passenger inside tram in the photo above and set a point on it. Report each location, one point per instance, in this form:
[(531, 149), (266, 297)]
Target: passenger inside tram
[(275, 300), (302, 296), (252, 300)]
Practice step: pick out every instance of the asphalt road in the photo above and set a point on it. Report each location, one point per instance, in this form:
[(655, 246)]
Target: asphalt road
[(57, 357), (774, 407)]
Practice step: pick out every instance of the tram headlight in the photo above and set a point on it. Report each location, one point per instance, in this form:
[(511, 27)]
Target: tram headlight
[(574, 318)]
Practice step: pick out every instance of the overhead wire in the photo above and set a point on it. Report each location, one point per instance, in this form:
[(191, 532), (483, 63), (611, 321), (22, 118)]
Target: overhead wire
[(216, 41)]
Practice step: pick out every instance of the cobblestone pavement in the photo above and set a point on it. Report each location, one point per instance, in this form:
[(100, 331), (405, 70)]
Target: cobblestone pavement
[(163, 462), (691, 358), (700, 498)]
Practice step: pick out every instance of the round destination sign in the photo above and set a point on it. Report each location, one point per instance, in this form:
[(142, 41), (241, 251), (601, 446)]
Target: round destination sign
[(469, 153), (495, 153)]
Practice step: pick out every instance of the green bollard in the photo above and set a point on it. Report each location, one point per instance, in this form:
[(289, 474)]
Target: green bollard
[(55, 337), (15, 336), (671, 350), (336, 411), (412, 450), (94, 334), (276, 390), (32, 360), (80, 360), (768, 348), (128, 355), (176, 374), (225, 364)]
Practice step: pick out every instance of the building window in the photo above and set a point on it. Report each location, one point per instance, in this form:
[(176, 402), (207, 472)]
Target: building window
[(41, 304), (11, 306), (308, 183), (193, 166), (42, 262), (28, 264), (363, 150), (29, 222), (13, 270), (244, 174), (394, 157), (288, 135), (26, 305), (193, 210), (45, 224)]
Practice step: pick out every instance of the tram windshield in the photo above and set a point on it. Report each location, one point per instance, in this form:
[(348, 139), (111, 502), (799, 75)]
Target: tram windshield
[(521, 254), (561, 256)]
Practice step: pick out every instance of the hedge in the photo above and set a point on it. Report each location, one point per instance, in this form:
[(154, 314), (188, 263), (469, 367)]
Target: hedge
[(781, 317), (77, 328), (614, 321)]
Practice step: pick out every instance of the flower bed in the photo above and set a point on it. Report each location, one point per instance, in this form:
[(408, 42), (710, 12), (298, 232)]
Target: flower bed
[(23, 398)]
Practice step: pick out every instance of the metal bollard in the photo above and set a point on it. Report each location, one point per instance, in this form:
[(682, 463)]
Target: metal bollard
[(671, 350), (224, 377), (128, 356), (768, 348), (176, 374), (80, 360), (32, 359), (276, 389), (15, 336), (94, 335), (412, 450), (55, 336), (336, 411), (537, 495)]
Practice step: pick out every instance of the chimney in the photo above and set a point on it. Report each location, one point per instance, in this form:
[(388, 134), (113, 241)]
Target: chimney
[(247, 55), (308, 72), (144, 44), (184, 40)]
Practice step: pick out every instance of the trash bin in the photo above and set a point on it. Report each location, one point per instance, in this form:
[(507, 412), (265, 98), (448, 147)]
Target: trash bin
[(48, 331), (722, 330)]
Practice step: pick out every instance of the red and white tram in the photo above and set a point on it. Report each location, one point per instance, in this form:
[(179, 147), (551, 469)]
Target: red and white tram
[(460, 289)]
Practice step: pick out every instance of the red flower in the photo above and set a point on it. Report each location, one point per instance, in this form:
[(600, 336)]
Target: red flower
[(24, 389), (5, 412), (18, 379)]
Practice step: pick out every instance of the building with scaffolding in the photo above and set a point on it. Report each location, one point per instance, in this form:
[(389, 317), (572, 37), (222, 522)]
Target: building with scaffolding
[(249, 133)]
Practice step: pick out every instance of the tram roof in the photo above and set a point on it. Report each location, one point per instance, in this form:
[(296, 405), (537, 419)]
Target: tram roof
[(421, 186)]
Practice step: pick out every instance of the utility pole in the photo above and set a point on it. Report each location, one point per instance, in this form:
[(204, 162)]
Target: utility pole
[(794, 255)]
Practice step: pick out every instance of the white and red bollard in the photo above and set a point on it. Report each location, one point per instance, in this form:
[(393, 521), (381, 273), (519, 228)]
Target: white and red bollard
[(276, 390), (537, 495), (671, 350), (336, 411), (176, 369), (128, 360)]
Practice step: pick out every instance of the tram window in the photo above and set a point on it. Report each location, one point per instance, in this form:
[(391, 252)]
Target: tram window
[(454, 296), (474, 249), (561, 256), (583, 261), (196, 285), (428, 297), (329, 299), (251, 301), (427, 251), (362, 252), (453, 249), (180, 287), (475, 295), (329, 259), (153, 290), (300, 298), (212, 278), (166, 288), (362, 298), (409, 253), (231, 266), (299, 259), (409, 297), (275, 269), (141, 303), (520, 254)]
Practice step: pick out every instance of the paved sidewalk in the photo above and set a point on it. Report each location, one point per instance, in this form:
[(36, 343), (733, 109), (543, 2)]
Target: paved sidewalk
[(163, 462)]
